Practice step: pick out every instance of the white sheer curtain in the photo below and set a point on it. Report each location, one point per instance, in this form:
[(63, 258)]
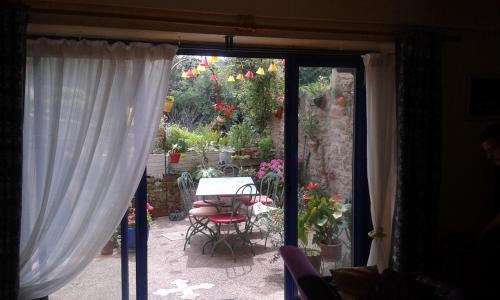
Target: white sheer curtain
[(381, 152), (91, 112)]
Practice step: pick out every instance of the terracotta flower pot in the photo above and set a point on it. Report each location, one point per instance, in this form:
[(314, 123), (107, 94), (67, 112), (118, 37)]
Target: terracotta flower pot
[(108, 248), (314, 257), (341, 101), (174, 157)]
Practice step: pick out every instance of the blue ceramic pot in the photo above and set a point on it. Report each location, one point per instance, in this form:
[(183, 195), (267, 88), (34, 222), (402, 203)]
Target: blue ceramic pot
[(131, 237), (176, 216)]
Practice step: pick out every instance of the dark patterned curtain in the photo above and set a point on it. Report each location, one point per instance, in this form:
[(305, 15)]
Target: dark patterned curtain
[(418, 60), (12, 64)]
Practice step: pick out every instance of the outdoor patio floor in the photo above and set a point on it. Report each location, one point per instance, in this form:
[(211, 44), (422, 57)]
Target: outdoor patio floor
[(169, 267)]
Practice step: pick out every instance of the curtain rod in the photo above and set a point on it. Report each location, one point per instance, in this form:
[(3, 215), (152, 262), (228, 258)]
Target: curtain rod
[(229, 49)]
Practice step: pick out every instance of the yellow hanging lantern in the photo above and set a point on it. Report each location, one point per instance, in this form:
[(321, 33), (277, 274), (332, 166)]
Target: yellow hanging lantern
[(272, 68), (231, 78), (240, 77), (184, 75), (196, 72), (201, 68), (260, 71), (214, 59)]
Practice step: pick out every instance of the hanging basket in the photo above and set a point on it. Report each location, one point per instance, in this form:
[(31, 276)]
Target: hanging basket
[(167, 106), (279, 113), (341, 101)]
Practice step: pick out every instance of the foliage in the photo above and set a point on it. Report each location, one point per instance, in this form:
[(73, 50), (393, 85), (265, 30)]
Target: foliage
[(169, 135), (247, 172), (131, 215), (308, 75), (266, 148), (202, 141), (241, 136), (169, 98), (207, 172), (322, 216), (309, 124)]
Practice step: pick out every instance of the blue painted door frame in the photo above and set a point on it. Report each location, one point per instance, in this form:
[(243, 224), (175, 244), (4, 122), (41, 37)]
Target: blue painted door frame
[(361, 206)]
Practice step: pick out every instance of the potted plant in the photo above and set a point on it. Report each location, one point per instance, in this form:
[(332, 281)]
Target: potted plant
[(131, 224), (169, 103), (322, 216), (317, 90), (340, 99), (174, 154)]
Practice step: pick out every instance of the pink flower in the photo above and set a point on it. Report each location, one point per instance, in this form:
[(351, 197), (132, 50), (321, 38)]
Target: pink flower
[(307, 197), (149, 207), (338, 197)]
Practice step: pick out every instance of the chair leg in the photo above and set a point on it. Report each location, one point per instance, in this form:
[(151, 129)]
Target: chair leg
[(199, 225)]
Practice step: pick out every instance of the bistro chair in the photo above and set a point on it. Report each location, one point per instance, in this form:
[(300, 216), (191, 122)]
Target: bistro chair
[(226, 221), (259, 206), (198, 211), (229, 170)]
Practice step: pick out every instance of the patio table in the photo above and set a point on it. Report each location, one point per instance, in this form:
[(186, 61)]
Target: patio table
[(222, 186)]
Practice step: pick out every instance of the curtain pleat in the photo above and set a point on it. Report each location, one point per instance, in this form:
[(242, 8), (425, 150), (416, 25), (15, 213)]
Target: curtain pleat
[(418, 64), (12, 63), (91, 112)]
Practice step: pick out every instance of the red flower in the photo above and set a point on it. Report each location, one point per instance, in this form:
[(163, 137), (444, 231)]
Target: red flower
[(311, 186), (338, 197), (220, 106), (307, 197)]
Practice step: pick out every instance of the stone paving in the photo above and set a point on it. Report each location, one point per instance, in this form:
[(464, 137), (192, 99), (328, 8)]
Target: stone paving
[(177, 274)]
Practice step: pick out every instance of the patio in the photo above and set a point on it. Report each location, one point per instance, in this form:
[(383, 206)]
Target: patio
[(218, 277)]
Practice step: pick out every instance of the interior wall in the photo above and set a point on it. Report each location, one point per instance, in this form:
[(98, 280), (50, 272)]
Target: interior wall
[(466, 176)]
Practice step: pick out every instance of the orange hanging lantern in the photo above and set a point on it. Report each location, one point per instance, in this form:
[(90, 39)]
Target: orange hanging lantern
[(261, 71), (249, 74), (204, 62), (213, 77), (231, 78), (214, 59), (240, 77), (272, 68)]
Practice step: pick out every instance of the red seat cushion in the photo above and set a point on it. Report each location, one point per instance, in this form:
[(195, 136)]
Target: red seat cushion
[(227, 218)]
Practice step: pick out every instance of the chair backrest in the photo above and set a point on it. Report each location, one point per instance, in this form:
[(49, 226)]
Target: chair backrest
[(272, 186), (229, 170), (244, 195), (188, 189), (309, 282)]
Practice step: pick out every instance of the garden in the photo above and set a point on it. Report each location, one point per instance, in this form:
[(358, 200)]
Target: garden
[(230, 111)]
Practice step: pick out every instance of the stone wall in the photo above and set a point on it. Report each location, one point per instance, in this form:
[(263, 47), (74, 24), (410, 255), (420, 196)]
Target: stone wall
[(330, 160)]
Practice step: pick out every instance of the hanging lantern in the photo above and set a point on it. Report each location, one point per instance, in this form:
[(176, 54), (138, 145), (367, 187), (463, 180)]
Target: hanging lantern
[(261, 71), (213, 77), (214, 59), (204, 62), (201, 68), (190, 74), (240, 77), (249, 74), (184, 75), (272, 68), (231, 78), (196, 72)]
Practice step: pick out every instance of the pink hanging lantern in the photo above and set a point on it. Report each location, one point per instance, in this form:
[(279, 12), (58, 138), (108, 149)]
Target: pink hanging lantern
[(249, 74), (204, 62), (190, 73), (213, 77)]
